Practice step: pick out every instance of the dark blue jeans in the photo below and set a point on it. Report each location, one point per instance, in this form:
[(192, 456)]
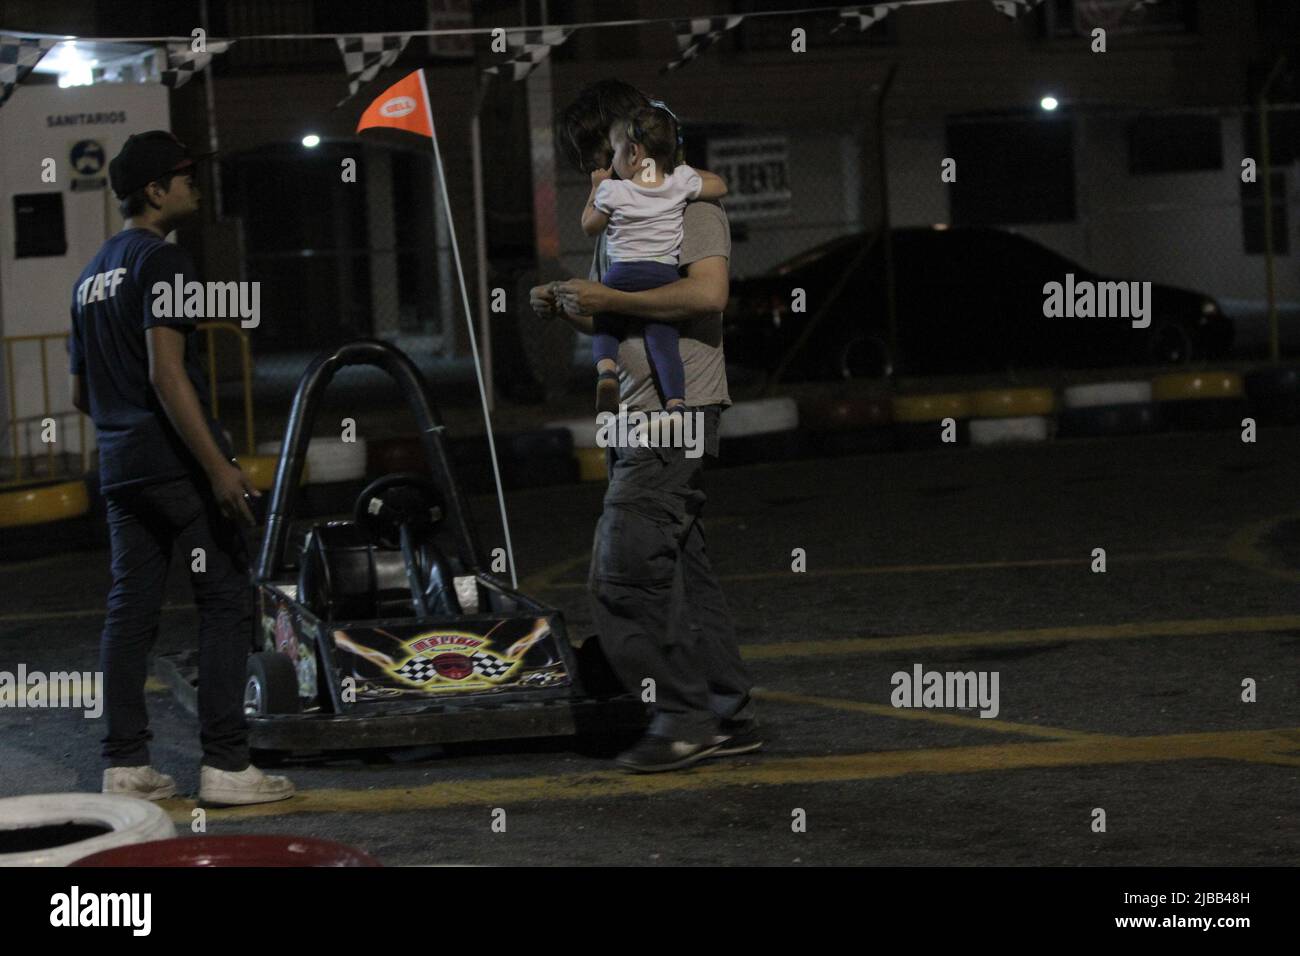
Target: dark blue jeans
[(661, 338), (145, 525), (657, 604)]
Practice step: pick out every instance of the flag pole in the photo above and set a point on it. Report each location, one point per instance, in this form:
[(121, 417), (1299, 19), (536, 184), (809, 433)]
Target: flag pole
[(469, 322)]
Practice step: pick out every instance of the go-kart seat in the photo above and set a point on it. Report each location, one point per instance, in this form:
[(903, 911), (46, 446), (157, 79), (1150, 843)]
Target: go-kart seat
[(343, 576)]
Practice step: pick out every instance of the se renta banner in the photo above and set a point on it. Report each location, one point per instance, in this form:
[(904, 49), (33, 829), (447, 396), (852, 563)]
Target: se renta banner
[(756, 169)]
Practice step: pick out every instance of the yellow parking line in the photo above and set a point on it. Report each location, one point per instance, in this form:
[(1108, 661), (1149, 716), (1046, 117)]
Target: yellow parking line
[(1027, 636), (1256, 746), (949, 568), (929, 716)]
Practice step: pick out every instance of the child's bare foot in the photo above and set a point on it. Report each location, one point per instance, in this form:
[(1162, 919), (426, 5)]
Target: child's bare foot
[(607, 393)]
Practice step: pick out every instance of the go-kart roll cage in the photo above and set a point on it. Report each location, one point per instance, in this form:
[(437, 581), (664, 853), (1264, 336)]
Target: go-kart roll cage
[(306, 402)]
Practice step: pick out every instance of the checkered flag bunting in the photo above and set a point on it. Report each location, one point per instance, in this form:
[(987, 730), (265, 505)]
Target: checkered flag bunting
[(17, 57), (537, 46), (1013, 8), (864, 17), (487, 665), (183, 63), (697, 35), (365, 55)]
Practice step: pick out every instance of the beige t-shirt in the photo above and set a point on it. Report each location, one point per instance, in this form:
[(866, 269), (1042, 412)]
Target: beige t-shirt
[(705, 233)]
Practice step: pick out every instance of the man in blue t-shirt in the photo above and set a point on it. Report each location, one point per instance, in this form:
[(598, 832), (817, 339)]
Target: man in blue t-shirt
[(168, 477)]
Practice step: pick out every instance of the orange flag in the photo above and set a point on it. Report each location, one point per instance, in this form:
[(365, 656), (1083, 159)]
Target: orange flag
[(404, 105)]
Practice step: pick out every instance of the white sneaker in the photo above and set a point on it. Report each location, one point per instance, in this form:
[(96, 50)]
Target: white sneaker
[(247, 786), (143, 782)]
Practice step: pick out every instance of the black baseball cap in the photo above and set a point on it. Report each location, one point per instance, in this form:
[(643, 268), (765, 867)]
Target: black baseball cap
[(146, 157)]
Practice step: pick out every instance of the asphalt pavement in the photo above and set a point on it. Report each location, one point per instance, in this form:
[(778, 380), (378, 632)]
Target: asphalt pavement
[(1119, 691)]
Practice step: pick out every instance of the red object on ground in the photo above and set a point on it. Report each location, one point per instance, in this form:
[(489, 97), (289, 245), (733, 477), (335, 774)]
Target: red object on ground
[(232, 851)]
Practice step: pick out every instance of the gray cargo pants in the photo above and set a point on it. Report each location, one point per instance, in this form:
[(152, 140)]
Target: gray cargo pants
[(656, 602)]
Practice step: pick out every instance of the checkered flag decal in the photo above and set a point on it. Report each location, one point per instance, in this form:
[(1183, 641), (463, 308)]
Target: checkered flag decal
[(697, 35), (863, 17), (1013, 8), (17, 57), (183, 63), (418, 670), (485, 665), (364, 56), (537, 47)]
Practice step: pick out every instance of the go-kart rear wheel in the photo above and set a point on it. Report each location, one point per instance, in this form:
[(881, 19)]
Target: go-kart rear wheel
[(271, 686)]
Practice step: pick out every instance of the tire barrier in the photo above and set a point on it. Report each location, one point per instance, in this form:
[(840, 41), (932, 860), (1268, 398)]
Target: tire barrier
[(386, 456), (1133, 418), (1012, 402), (592, 465), (1003, 431), (763, 416), (766, 429), (931, 408), (1275, 394), (582, 430), (56, 829), (43, 503), (1201, 400), (261, 470), (1106, 393), (531, 459), (1197, 386), (848, 426), (918, 419), (234, 850), (329, 459)]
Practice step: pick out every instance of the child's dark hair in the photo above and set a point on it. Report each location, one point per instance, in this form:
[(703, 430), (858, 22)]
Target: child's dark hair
[(656, 132)]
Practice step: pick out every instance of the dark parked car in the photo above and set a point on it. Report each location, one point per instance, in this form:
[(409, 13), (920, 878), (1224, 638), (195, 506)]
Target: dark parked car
[(967, 299)]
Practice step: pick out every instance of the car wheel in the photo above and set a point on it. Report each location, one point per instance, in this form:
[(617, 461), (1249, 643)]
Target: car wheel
[(271, 686), (865, 356), (1169, 344)]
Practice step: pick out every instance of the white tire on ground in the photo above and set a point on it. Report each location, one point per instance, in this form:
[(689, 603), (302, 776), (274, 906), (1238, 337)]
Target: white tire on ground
[(1106, 393), (760, 417), (1000, 431), (329, 459), (583, 430), (131, 820)]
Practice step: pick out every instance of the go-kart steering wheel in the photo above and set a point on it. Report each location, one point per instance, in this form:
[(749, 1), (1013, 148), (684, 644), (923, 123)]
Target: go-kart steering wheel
[(403, 498), (397, 510)]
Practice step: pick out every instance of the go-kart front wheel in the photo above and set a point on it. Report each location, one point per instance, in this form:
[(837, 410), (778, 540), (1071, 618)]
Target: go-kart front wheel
[(271, 686)]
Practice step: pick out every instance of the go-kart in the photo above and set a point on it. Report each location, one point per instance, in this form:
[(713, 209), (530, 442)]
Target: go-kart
[(384, 629)]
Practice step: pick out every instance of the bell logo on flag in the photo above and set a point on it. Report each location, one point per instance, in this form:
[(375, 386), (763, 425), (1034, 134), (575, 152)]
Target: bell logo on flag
[(402, 106), (397, 106)]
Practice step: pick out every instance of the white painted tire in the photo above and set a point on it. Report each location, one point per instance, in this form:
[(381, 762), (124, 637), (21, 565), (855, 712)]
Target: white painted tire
[(583, 430), (132, 821), (1106, 393), (763, 416), (328, 459), (1000, 431)]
